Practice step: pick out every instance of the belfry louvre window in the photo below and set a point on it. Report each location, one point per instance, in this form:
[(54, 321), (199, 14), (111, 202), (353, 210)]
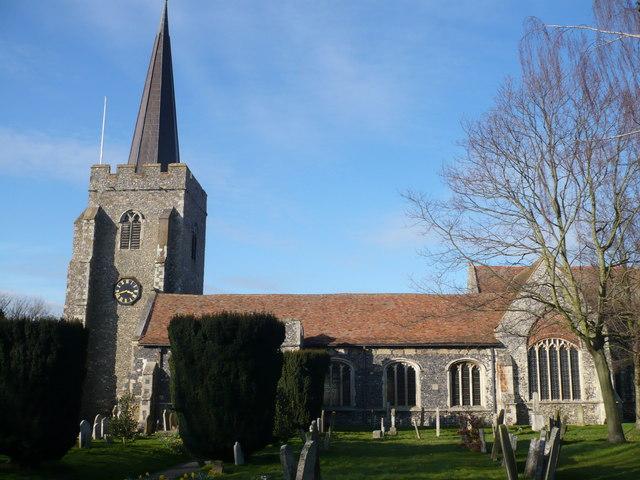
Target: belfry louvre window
[(130, 229), (401, 385), (337, 385), (465, 384), (554, 370)]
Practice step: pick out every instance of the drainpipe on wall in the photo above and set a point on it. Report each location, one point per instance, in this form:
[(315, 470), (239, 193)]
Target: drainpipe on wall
[(493, 374)]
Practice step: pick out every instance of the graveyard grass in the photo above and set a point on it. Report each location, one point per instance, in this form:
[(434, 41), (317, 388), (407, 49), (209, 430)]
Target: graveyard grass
[(585, 455)]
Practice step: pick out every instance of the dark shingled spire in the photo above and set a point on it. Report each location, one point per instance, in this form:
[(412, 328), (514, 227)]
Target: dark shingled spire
[(155, 139)]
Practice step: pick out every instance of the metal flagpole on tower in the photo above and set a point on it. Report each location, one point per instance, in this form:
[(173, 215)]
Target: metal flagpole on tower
[(104, 116)]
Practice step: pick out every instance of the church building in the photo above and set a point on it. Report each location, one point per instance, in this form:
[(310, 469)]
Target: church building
[(138, 260)]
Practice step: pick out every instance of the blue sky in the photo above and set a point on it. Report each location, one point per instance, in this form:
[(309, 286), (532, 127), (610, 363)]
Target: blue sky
[(303, 120)]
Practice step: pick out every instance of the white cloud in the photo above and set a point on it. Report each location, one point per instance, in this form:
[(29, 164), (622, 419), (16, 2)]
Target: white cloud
[(37, 154)]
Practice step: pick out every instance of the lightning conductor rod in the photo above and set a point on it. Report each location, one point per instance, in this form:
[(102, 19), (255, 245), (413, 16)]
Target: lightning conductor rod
[(104, 116)]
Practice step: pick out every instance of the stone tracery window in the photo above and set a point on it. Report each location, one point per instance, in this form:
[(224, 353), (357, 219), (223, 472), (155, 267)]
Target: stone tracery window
[(338, 384), (130, 229), (465, 384), (401, 385), (554, 370)]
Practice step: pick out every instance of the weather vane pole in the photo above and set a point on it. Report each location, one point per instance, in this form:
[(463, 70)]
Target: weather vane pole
[(104, 116)]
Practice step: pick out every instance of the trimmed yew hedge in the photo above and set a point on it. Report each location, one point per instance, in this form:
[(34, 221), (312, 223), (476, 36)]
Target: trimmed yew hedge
[(224, 373), (300, 391), (42, 367)]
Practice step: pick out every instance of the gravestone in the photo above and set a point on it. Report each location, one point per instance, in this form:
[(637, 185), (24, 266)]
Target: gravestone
[(104, 428), (84, 437), (173, 421), (537, 419), (543, 434), (508, 453), (563, 430), (382, 426), (392, 429), (307, 463), (415, 425), (496, 449), (327, 438), (217, 467), (533, 466), (483, 443), (552, 439), (288, 463), (554, 455), (377, 434), (148, 425), (97, 427), (166, 420), (514, 441), (238, 457), (322, 421), (437, 422)]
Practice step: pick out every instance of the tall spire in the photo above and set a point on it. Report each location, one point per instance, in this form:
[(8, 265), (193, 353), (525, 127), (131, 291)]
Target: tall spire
[(155, 139)]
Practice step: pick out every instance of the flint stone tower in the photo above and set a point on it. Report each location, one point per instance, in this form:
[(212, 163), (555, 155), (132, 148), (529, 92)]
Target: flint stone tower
[(142, 232)]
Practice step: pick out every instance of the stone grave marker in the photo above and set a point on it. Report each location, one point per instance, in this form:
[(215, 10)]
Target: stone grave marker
[(377, 434), (238, 457), (508, 454), (483, 443), (563, 430), (392, 429), (415, 425), (166, 420), (173, 421), (97, 427), (307, 463), (535, 458), (437, 422), (148, 425), (382, 426), (84, 437), (554, 456), (104, 427), (327, 438), (321, 421), (217, 467), (288, 463), (552, 439), (496, 449), (514, 441)]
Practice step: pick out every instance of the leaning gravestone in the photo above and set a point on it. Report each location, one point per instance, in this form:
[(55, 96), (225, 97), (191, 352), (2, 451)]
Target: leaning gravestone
[(377, 434), (495, 448), (554, 456), (508, 454), (97, 427), (148, 425), (288, 463), (483, 443), (552, 439), (535, 458), (238, 457), (415, 425), (84, 437), (307, 463)]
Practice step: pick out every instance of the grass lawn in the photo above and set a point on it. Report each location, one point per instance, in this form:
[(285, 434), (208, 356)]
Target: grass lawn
[(585, 455), (104, 462)]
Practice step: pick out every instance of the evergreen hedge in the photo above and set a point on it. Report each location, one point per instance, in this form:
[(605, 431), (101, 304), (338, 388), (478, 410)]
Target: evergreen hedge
[(42, 367), (300, 391), (224, 373)]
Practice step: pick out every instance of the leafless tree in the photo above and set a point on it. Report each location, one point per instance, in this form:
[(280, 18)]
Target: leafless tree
[(551, 175), (16, 307)]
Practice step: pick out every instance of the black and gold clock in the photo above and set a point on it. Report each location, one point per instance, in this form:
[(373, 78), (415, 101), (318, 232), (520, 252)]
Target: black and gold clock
[(127, 291)]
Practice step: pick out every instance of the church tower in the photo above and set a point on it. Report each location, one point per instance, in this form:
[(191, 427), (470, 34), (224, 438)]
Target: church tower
[(142, 232)]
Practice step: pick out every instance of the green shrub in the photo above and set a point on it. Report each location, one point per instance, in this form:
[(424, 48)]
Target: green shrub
[(124, 426), (42, 367), (300, 391), (224, 373)]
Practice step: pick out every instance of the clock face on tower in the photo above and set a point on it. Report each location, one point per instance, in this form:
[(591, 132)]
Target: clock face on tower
[(127, 291)]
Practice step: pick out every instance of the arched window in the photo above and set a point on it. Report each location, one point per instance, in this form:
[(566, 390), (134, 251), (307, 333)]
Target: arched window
[(465, 384), (338, 385), (554, 370), (401, 385), (194, 242), (130, 228)]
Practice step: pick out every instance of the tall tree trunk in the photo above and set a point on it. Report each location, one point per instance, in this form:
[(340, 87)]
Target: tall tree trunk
[(636, 383), (615, 434)]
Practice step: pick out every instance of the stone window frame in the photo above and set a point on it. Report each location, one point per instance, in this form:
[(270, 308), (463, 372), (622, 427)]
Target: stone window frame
[(558, 343), (352, 384), (123, 220), (418, 374), (469, 361)]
